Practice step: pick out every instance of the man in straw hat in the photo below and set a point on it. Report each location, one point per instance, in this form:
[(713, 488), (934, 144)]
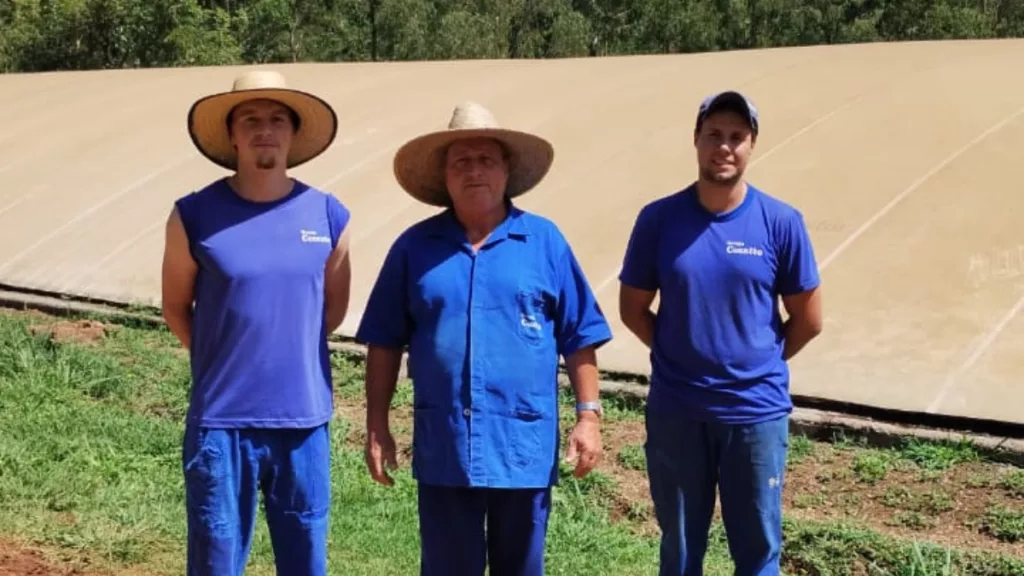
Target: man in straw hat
[(722, 253), (255, 276), (487, 297)]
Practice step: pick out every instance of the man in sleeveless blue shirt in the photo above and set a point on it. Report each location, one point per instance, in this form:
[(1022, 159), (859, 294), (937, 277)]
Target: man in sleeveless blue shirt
[(255, 277), (487, 297), (721, 253)]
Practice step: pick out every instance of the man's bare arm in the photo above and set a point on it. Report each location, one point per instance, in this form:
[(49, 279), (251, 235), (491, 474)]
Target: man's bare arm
[(584, 443), (178, 280), (382, 365), (338, 283), (635, 312), (805, 320), (581, 367)]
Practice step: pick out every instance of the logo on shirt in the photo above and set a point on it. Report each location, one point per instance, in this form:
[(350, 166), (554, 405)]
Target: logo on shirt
[(528, 321), (315, 237), (734, 247)]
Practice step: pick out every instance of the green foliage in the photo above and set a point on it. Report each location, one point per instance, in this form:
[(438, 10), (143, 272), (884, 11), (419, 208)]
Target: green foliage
[(43, 35)]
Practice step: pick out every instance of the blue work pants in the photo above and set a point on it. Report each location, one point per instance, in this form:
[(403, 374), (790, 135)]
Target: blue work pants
[(687, 461), (462, 530), (225, 472)]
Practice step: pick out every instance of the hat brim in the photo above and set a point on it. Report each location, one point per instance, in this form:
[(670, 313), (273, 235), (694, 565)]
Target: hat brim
[(419, 163), (207, 124)]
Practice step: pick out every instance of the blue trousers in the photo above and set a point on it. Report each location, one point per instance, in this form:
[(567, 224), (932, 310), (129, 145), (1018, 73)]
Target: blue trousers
[(225, 472), (461, 528), (687, 461)]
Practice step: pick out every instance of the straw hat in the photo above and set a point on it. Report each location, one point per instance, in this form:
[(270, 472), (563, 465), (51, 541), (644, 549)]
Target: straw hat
[(419, 164), (208, 117)]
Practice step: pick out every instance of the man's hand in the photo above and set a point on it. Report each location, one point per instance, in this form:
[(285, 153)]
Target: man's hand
[(380, 451), (584, 446)]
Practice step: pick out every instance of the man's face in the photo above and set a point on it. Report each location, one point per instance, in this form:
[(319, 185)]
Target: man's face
[(724, 144), (476, 172), (261, 131)]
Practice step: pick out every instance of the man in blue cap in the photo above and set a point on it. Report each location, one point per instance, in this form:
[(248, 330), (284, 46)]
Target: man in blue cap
[(721, 253), (486, 297)]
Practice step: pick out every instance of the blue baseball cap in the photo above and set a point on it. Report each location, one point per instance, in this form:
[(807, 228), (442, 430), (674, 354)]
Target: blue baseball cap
[(728, 100)]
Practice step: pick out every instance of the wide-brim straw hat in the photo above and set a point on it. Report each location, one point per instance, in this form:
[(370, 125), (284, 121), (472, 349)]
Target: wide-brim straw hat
[(419, 163), (208, 118)]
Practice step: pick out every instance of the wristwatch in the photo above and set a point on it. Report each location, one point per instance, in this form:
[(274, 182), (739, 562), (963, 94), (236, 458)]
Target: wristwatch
[(594, 407)]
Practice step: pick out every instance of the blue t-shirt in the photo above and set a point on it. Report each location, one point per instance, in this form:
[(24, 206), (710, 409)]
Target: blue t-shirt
[(717, 351), (259, 345), (485, 331)]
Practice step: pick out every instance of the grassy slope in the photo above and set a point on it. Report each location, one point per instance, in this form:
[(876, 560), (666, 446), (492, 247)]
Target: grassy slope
[(89, 466)]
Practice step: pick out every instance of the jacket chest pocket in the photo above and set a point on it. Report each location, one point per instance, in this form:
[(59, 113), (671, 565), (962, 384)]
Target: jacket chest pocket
[(533, 314)]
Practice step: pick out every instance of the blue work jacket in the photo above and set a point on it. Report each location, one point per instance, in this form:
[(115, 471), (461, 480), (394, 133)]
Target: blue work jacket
[(484, 331)]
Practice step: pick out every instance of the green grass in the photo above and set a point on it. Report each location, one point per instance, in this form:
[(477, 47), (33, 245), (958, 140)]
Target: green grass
[(632, 456), (939, 456), (90, 463), (1013, 483), (90, 460), (930, 503), (838, 549), (800, 448), (871, 466), (1004, 523)]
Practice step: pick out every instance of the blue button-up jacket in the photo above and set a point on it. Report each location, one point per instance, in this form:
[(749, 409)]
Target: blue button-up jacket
[(485, 331)]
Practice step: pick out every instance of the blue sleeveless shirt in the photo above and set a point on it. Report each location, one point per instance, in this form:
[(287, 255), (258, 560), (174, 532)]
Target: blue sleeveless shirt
[(259, 351)]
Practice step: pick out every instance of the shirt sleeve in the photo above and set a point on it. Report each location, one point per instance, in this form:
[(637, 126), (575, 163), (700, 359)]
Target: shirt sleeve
[(386, 321), (798, 268), (579, 320), (640, 264)]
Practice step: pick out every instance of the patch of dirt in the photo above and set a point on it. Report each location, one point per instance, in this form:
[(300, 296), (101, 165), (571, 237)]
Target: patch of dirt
[(622, 444), (16, 560), (30, 313), (354, 411), (944, 506), (77, 331)]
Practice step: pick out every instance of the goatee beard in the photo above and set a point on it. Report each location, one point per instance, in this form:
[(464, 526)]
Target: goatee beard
[(710, 176), (266, 162)]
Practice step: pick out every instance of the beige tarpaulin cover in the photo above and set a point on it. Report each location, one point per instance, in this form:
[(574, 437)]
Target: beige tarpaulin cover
[(905, 159)]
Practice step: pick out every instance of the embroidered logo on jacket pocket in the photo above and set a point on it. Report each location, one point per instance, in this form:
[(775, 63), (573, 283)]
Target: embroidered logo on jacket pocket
[(532, 317)]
